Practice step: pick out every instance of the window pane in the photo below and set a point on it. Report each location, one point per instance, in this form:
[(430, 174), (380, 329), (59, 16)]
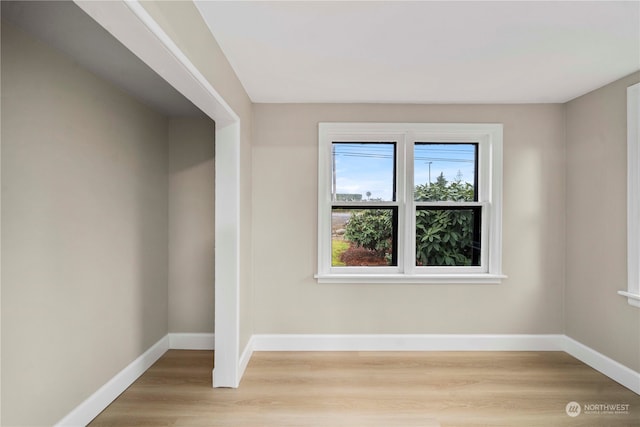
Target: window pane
[(448, 236), (364, 237), (445, 172), (363, 171)]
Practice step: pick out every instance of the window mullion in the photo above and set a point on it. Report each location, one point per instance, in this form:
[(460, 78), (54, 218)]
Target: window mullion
[(409, 234)]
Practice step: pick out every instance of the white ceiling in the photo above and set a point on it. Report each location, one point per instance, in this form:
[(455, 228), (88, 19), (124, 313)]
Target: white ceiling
[(426, 52)]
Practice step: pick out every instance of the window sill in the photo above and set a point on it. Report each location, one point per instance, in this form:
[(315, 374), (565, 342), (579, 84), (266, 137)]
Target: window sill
[(633, 299), (430, 279)]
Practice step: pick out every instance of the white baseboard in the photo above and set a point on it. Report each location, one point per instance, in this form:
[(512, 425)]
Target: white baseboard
[(105, 395), (94, 404), (407, 342), (246, 356), (191, 341), (598, 361)]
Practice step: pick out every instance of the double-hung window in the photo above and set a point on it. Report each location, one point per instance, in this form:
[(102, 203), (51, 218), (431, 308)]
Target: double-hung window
[(633, 196), (409, 202)]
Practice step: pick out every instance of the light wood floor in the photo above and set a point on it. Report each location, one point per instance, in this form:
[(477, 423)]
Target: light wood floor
[(373, 389)]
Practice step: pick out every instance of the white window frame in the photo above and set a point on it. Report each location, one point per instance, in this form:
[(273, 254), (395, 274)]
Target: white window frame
[(405, 135), (633, 196)]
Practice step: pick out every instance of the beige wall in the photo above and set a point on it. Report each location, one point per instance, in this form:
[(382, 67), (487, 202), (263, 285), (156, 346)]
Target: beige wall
[(288, 299), (183, 23), (596, 225), (84, 231), (191, 224)]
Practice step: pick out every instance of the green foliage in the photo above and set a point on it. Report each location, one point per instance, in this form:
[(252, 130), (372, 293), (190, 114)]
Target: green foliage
[(441, 191), (371, 229), (444, 237)]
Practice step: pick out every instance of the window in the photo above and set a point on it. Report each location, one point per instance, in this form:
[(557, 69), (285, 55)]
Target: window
[(414, 203), (633, 196)]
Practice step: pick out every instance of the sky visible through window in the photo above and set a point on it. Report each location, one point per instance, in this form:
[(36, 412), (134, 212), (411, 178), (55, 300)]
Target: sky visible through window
[(367, 168)]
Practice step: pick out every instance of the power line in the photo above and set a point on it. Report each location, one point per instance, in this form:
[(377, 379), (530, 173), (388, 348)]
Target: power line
[(389, 156), (444, 160)]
